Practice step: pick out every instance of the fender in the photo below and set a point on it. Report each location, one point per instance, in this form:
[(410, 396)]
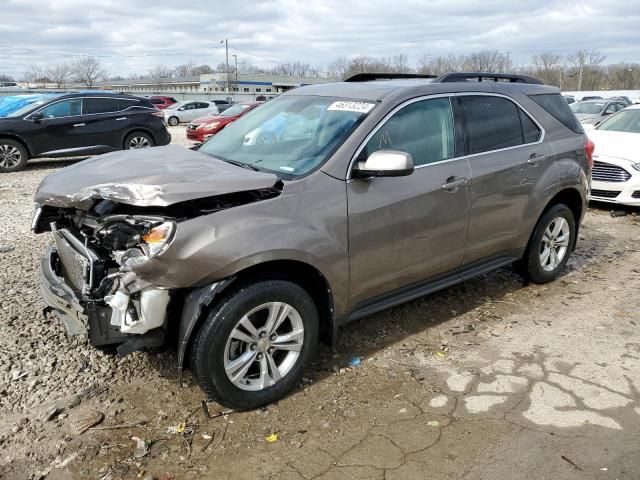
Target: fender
[(194, 303)]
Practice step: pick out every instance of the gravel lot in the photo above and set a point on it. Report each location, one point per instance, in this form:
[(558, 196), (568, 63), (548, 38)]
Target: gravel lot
[(488, 379)]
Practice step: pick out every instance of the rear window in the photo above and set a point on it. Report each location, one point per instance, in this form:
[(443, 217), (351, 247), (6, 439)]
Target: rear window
[(100, 105), (556, 106)]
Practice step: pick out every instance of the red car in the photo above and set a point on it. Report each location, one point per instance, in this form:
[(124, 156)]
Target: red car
[(162, 102), (202, 128)]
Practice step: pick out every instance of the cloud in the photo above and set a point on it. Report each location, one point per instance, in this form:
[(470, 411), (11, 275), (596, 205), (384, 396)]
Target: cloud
[(131, 37)]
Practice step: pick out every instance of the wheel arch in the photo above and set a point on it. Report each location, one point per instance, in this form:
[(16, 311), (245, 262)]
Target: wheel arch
[(11, 136), (200, 300), (571, 198)]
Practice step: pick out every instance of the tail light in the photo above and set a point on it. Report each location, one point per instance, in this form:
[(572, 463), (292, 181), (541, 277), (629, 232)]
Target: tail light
[(589, 147), (158, 113)]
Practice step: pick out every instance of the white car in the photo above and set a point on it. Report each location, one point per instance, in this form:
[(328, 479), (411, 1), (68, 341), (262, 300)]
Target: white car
[(183, 112), (616, 170)]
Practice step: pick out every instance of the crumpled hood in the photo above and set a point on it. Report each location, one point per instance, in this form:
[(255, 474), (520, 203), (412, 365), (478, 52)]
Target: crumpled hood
[(158, 176)]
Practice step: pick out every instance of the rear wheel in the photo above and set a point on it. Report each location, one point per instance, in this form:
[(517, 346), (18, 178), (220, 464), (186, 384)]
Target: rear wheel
[(138, 140), (254, 346), (173, 121), (550, 245), (13, 156)]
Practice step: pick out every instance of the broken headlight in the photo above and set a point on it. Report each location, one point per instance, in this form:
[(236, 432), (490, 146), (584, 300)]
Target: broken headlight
[(151, 239)]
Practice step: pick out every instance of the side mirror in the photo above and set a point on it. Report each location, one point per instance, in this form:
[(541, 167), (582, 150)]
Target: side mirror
[(385, 163), (36, 117)]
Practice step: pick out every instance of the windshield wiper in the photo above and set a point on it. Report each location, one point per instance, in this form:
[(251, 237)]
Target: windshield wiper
[(240, 164)]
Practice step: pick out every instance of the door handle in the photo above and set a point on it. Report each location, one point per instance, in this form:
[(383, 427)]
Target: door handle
[(121, 118), (452, 184), (535, 158), (79, 124)]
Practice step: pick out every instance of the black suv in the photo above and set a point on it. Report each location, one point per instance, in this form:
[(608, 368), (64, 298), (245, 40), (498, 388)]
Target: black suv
[(79, 124)]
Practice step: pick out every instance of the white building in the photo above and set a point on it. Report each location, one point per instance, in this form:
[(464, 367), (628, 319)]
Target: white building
[(214, 85)]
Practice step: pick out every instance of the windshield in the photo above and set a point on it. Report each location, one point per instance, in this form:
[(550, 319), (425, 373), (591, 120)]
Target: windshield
[(625, 121), (588, 107), (235, 110), (290, 135)]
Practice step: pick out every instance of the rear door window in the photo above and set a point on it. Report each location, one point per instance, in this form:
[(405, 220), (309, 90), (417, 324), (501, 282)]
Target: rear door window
[(94, 106), (126, 104), (493, 123), (530, 131), (423, 129)]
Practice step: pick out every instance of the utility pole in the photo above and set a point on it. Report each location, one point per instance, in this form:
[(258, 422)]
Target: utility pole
[(236, 59), (580, 77), (226, 46)]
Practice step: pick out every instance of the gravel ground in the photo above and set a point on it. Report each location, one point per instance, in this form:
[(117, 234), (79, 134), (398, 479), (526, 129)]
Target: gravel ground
[(343, 421)]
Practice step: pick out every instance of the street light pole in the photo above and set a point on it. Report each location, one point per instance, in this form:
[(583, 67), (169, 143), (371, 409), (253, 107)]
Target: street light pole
[(226, 45), (236, 59)]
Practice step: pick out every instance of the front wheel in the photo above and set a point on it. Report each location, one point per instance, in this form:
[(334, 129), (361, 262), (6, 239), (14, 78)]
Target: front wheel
[(550, 245), (253, 347), (173, 121)]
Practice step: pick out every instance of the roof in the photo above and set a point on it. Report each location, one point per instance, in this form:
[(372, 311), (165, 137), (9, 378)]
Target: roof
[(376, 90)]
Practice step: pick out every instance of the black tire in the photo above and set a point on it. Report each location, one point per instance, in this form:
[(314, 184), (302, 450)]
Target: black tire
[(13, 156), (173, 121), (208, 349), (138, 138), (532, 266)]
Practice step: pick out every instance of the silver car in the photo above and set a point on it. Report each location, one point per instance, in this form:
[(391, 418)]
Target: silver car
[(183, 112), (594, 111)]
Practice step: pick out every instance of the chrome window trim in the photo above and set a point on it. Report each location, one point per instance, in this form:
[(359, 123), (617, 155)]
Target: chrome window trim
[(82, 110), (448, 95)]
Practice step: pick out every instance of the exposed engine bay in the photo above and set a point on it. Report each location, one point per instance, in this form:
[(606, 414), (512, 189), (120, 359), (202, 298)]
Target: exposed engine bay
[(94, 256)]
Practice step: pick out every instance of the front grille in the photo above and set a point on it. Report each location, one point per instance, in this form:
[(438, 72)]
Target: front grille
[(636, 194), (606, 172), (75, 262), (605, 193)]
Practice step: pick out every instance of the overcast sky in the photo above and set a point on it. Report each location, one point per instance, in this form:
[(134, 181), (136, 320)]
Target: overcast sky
[(133, 36)]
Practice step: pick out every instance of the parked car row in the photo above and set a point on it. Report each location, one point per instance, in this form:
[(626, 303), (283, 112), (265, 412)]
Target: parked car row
[(204, 127)]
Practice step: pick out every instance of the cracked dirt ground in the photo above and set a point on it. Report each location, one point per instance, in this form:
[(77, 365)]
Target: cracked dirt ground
[(489, 379)]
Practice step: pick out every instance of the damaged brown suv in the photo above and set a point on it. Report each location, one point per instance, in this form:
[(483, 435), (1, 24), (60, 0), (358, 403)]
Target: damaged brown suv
[(322, 206)]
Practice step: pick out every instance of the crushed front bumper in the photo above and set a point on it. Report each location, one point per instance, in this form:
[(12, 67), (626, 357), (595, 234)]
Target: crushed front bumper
[(60, 297), (83, 315)]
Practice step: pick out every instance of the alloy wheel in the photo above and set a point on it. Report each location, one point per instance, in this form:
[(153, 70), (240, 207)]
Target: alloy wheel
[(264, 346), (555, 244), (139, 142), (10, 156)]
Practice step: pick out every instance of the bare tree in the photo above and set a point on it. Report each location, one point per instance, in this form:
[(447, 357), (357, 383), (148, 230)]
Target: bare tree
[(548, 68), (586, 67), (59, 74), (87, 70), (491, 61), (35, 74), (5, 78), (160, 75), (337, 69)]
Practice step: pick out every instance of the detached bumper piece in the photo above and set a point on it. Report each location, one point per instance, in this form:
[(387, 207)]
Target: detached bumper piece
[(117, 309)]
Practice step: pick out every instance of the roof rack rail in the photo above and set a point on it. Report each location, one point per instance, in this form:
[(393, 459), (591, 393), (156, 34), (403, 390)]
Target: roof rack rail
[(365, 77), (481, 77)]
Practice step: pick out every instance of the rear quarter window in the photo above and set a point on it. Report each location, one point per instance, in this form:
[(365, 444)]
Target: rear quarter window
[(558, 108)]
